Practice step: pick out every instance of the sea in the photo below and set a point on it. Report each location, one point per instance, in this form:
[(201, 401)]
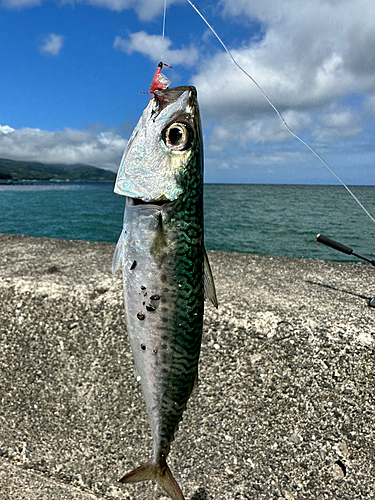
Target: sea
[(252, 218)]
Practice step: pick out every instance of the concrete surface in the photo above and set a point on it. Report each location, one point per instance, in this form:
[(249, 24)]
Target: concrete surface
[(285, 404)]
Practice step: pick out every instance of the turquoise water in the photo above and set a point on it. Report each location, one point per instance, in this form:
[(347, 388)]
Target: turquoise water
[(262, 219)]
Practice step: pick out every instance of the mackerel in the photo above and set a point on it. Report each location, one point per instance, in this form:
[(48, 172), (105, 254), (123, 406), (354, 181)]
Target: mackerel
[(166, 273)]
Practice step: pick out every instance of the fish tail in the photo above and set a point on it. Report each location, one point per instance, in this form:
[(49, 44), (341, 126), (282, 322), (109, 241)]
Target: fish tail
[(160, 473)]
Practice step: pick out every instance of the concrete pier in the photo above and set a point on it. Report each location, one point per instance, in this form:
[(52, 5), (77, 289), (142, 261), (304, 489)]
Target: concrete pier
[(284, 409)]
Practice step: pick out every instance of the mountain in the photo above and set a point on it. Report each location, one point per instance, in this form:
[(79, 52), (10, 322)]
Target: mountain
[(11, 170)]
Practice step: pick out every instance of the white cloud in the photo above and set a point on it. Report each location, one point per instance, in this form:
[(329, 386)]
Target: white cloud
[(336, 125), (150, 46), (52, 44), (262, 130), (309, 58), (103, 149), (5, 129), (289, 86)]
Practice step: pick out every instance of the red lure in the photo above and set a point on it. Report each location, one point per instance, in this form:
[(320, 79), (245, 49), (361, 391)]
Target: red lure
[(160, 81)]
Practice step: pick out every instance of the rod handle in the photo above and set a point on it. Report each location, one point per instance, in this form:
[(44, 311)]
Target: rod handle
[(333, 244)]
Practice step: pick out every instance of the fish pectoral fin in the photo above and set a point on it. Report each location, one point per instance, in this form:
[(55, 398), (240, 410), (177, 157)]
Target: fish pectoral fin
[(209, 285), (162, 474), (117, 256)]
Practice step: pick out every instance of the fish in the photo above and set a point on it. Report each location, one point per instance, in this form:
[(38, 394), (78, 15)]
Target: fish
[(166, 272)]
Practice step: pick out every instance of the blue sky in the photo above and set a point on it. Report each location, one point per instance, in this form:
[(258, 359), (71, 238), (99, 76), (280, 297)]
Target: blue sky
[(72, 72)]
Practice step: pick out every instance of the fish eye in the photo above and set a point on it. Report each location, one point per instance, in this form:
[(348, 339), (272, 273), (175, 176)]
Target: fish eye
[(177, 136)]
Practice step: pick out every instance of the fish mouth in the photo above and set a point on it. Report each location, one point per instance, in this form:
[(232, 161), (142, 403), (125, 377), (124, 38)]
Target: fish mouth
[(134, 202), (168, 96)]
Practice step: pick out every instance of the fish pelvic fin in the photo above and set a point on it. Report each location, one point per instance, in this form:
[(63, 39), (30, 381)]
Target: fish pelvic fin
[(208, 281), (117, 256), (160, 473)]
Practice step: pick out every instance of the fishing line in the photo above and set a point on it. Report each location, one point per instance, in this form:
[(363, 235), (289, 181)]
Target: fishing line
[(163, 34), (279, 114)]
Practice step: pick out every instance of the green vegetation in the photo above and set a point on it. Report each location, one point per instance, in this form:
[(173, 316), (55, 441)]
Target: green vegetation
[(11, 170)]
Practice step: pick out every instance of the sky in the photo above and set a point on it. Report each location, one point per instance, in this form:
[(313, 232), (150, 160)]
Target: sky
[(72, 72)]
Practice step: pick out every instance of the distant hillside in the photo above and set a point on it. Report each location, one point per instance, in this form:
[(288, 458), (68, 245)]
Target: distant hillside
[(29, 170)]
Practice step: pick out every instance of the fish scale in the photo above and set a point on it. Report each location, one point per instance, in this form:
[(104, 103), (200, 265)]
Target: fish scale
[(165, 268)]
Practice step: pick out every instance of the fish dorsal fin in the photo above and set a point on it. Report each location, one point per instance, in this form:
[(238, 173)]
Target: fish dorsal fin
[(209, 285), (117, 256)]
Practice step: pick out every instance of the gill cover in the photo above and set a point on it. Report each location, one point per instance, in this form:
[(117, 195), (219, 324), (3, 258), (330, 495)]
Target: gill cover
[(161, 147)]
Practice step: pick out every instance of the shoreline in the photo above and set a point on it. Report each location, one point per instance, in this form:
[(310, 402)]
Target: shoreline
[(12, 182), (347, 260), (285, 404)]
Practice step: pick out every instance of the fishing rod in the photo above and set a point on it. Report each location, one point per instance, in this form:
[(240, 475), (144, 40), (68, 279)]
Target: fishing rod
[(348, 251), (341, 248)]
